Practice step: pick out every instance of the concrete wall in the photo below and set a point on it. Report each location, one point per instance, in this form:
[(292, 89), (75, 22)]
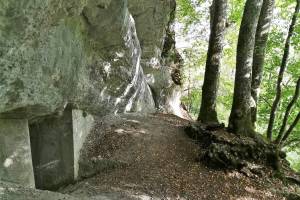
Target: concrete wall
[(82, 125), (48, 156), (15, 153), (52, 151), (56, 144)]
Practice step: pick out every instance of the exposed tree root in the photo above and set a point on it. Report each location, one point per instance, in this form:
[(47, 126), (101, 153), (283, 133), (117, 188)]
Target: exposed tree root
[(221, 149)]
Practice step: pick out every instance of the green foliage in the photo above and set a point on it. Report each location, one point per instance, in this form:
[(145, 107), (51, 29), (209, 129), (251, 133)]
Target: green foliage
[(236, 8), (186, 12), (195, 56), (193, 76), (192, 13), (186, 9), (192, 102), (274, 55)]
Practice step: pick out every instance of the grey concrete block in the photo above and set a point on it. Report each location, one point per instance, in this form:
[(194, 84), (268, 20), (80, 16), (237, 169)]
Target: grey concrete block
[(52, 151), (15, 152), (56, 144), (82, 125)]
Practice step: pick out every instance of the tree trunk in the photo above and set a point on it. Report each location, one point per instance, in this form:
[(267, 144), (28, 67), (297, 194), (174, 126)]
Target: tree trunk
[(208, 113), (240, 117), (291, 128), (261, 38), (281, 72), (288, 112)]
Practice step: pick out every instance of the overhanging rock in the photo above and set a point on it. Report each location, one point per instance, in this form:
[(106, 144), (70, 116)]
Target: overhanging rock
[(84, 53)]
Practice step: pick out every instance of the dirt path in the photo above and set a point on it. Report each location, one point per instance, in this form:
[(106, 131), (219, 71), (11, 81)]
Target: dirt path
[(150, 157)]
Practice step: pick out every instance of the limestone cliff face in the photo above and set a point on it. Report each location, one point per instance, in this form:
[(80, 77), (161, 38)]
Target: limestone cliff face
[(160, 61), (102, 56)]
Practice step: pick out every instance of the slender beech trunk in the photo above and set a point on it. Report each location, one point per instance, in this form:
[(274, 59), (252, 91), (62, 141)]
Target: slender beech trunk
[(291, 128), (208, 113), (261, 38), (281, 72), (240, 117), (288, 112)]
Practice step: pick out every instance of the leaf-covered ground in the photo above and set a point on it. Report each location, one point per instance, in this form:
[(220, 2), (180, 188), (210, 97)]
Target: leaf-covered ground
[(150, 157)]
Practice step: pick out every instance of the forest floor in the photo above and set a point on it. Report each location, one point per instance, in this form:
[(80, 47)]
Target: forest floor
[(157, 160)]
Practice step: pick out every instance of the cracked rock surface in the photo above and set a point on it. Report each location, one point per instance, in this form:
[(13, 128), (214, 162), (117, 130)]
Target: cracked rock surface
[(88, 54)]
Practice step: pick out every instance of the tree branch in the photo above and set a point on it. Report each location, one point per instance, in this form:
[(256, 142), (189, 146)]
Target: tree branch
[(292, 142), (288, 111), (266, 101), (281, 72), (289, 131)]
